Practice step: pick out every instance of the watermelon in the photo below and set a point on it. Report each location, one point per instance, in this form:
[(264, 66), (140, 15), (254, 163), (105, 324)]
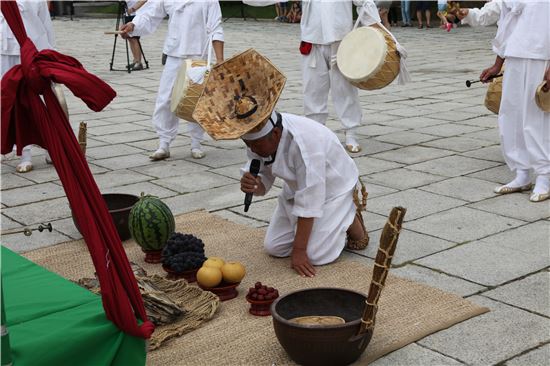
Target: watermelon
[(151, 223)]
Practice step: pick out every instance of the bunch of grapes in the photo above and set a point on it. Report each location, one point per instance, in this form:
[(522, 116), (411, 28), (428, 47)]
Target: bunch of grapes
[(183, 252)]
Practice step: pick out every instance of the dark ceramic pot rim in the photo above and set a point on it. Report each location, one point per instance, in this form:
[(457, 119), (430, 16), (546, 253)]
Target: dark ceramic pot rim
[(280, 319), (105, 195)]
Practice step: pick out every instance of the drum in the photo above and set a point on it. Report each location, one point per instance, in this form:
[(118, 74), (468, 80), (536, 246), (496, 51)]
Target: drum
[(368, 58), (494, 94), (186, 93), (543, 98)]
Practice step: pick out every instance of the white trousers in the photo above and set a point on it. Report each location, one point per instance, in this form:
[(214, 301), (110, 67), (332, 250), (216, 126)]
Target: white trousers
[(328, 235), (321, 75), (165, 122), (524, 127)]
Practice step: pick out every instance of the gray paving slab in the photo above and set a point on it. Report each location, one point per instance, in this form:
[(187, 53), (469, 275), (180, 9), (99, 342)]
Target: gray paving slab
[(368, 165), (493, 153), (142, 187), (411, 246), (21, 243), (29, 194), (492, 337), (406, 138), (38, 212), (260, 209), (7, 223), (239, 219), (453, 166), (402, 178), (67, 228), (376, 190), (448, 129), (118, 178), (530, 293), (169, 168), (516, 205), (10, 180), (464, 188), (487, 135), (216, 158), (413, 154), (459, 144), (123, 137), (414, 354), (486, 263), (192, 182), (437, 279), (110, 151), (536, 357), (418, 203), (463, 224), (499, 174)]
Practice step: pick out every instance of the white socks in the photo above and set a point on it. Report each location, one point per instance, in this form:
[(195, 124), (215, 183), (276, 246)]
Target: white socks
[(542, 185), (522, 179)]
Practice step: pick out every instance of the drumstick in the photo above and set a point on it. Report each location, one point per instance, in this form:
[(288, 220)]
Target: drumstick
[(470, 82), (113, 32)]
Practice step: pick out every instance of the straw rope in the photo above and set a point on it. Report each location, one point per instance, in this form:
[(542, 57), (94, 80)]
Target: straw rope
[(361, 205)]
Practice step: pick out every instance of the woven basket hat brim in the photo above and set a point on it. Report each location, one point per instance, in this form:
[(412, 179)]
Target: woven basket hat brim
[(215, 110), (542, 98)]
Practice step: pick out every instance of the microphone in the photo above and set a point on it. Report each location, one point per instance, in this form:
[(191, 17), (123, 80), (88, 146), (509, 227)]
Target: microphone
[(254, 170)]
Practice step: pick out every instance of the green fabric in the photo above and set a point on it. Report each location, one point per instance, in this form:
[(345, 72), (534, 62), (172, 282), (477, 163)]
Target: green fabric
[(53, 321)]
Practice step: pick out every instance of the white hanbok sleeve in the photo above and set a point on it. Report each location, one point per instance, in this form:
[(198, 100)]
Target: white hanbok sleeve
[(215, 21), (487, 15), (309, 197), (367, 11), (149, 18), (265, 171), (44, 15)]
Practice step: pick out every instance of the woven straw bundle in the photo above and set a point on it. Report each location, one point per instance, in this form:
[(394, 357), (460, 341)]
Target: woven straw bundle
[(249, 75), (494, 94)]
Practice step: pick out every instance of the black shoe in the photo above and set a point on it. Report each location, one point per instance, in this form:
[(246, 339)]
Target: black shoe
[(164, 56)]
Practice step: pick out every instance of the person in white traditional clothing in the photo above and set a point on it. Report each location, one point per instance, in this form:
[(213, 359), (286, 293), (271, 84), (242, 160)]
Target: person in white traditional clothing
[(36, 18), (192, 25), (523, 40), (317, 212), (324, 24)]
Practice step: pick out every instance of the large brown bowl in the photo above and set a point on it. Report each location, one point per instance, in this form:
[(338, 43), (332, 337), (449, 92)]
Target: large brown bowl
[(329, 345), (119, 206)]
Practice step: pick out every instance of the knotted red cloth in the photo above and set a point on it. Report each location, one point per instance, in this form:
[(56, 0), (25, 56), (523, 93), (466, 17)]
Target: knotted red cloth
[(26, 119)]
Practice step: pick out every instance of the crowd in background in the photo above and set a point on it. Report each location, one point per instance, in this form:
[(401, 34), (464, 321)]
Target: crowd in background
[(291, 12)]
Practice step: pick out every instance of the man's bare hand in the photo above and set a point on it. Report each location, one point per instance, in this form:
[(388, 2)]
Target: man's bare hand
[(252, 184), (301, 263), (488, 73), (125, 29)]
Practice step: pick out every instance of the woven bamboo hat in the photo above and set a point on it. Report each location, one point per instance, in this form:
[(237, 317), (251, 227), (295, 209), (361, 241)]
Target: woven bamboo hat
[(543, 98), (239, 95)]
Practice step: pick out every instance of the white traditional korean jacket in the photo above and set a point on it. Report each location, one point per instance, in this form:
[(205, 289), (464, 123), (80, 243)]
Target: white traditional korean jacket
[(313, 165), (524, 30), (38, 24), (190, 24)]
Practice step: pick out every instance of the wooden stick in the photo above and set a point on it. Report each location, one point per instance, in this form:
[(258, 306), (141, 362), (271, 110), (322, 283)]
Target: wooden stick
[(82, 136), (113, 32), (388, 242)]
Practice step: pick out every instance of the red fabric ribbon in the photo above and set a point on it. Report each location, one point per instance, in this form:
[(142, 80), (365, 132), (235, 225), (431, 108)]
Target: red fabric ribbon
[(26, 119)]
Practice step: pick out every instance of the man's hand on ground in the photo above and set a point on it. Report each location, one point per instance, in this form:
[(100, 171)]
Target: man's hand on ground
[(301, 263)]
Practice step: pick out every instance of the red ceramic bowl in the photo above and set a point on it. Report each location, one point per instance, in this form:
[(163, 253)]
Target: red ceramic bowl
[(225, 291), (260, 307), (189, 276)]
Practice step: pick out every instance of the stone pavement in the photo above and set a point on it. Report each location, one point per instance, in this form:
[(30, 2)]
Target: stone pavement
[(430, 146)]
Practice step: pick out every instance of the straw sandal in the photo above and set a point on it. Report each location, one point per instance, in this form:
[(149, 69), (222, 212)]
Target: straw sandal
[(24, 167), (360, 206), (539, 197), (160, 154), (507, 190)]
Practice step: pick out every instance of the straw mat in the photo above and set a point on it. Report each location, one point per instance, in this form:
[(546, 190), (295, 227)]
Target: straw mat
[(408, 311)]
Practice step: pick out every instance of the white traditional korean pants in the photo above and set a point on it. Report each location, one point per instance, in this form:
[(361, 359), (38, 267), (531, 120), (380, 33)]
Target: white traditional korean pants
[(524, 127), (165, 122), (321, 74), (328, 235)]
